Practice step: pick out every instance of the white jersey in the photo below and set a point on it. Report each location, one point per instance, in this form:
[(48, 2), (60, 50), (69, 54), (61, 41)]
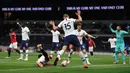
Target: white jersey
[(112, 42), (68, 26), (25, 33), (55, 36), (80, 35)]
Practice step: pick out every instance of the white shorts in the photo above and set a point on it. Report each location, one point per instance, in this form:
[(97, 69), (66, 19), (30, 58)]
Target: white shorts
[(42, 60), (13, 45), (90, 49)]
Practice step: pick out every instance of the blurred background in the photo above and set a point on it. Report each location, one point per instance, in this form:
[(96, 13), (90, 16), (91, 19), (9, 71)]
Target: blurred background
[(96, 14)]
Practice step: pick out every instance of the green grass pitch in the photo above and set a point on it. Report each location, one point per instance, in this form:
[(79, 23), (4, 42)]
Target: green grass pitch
[(99, 64)]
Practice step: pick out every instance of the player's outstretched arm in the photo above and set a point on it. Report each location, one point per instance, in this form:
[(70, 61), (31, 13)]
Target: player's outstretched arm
[(94, 44), (47, 27), (19, 25), (91, 36), (79, 16), (110, 26)]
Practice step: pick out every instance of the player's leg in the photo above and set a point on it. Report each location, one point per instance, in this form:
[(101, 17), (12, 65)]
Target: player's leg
[(26, 50), (53, 47), (113, 51), (83, 48), (91, 50), (86, 56), (67, 41), (16, 47), (40, 60), (70, 53), (9, 50), (116, 53), (122, 46), (76, 43), (60, 54), (21, 50)]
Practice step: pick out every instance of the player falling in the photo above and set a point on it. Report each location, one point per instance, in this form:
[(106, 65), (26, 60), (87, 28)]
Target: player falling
[(25, 39), (119, 42), (43, 58), (91, 45), (70, 37), (80, 34), (55, 38), (13, 44)]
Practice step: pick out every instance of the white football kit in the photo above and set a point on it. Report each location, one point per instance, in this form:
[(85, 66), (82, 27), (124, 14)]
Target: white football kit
[(112, 42), (25, 35), (55, 36), (68, 26), (80, 35)]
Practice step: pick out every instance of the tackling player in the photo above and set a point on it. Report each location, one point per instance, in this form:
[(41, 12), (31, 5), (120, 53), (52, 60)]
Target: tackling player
[(13, 44), (119, 42), (70, 37), (25, 39), (43, 58)]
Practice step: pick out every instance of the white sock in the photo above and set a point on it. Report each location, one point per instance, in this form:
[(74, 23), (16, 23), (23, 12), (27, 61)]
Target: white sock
[(26, 53), (60, 53), (21, 53), (86, 56), (82, 57)]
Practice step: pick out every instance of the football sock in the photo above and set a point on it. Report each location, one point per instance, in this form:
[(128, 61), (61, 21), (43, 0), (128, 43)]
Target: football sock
[(82, 57), (21, 53), (26, 53), (123, 56), (9, 52), (69, 56), (116, 56), (91, 53)]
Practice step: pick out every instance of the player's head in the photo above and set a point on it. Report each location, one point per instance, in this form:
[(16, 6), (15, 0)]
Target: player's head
[(118, 28), (51, 22), (65, 16), (39, 46), (11, 30), (79, 26), (113, 36)]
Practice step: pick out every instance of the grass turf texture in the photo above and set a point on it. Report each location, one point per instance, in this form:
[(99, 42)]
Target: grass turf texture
[(100, 64)]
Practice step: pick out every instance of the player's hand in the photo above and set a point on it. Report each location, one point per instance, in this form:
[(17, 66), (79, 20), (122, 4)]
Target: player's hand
[(78, 12), (18, 23), (128, 27), (110, 25)]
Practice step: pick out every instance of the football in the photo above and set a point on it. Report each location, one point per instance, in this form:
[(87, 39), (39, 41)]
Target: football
[(64, 63)]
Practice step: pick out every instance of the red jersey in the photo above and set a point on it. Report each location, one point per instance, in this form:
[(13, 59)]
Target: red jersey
[(90, 43), (13, 37)]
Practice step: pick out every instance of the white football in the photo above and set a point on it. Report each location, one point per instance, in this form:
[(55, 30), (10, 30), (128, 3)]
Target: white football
[(64, 63)]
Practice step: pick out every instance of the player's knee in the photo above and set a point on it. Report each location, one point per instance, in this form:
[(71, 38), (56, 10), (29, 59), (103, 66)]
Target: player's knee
[(64, 47), (84, 51)]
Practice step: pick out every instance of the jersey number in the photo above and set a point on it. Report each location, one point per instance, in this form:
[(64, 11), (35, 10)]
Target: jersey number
[(67, 26)]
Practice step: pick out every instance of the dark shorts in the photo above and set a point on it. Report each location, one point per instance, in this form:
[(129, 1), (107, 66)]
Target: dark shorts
[(113, 50), (24, 44), (55, 45), (83, 47), (71, 39)]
